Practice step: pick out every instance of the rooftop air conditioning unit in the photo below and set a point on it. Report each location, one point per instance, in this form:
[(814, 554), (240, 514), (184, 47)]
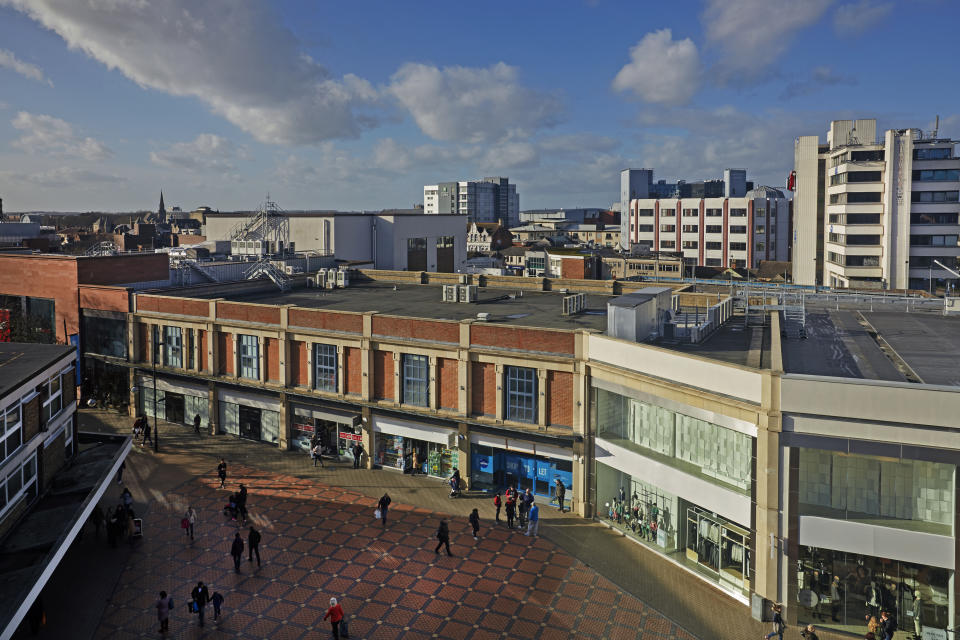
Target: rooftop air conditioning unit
[(331, 278), (467, 293), (320, 279), (343, 279), (463, 278), (449, 293), (483, 316)]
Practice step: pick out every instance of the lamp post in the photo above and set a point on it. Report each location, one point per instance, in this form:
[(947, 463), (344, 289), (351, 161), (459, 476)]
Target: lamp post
[(156, 430)]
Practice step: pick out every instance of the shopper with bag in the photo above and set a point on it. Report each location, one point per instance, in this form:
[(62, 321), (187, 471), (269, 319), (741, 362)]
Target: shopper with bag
[(382, 507), (201, 596)]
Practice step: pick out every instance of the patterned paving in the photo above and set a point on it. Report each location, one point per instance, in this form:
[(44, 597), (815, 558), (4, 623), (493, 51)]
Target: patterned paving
[(321, 541)]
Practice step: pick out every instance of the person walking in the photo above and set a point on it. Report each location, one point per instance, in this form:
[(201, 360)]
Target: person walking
[(127, 498), (217, 602), (236, 550), (810, 633), (97, 520), (191, 517), (455, 483), (242, 503), (222, 472), (887, 625), (164, 604), (497, 502), (201, 596), (475, 523), (123, 465), (533, 520), (511, 509), (357, 455), (146, 434), (561, 493), (778, 626), (317, 457), (253, 541), (335, 613), (443, 537), (383, 505), (196, 423)]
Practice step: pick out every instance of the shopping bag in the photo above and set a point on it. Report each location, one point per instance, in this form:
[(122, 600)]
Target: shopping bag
[(376, 514), (344, 629)]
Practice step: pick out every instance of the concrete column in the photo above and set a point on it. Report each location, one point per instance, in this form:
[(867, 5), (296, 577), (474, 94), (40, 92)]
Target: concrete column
[(432, 400), (341, 368), (213, 408), (284, 353), (397, 377), (498, 374), (134, 395), (261, 359), (286, 428), (463, 451), (311, 371), (213, 348), (464, 369), (366, 355), (366, 430), (542, 398)]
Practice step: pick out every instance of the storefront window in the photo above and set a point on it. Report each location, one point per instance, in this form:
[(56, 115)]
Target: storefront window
[(497, 469), (390, 451), (173, 347), (842, 591), (907, 494)]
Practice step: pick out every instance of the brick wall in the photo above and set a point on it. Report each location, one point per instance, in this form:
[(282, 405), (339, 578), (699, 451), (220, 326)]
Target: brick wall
[(52, 277), (179, 306), (483, 389), (416, 329), (573, 268), (353, 372), (271, 347), (203, 344), (105, 298), (298, 363), (522, 339), (31, 419), (143, 342), (560, 398), (68, 386), (225, 348), (447, 384), (348, 322), (382, 375), (53, 460), (248, 312)]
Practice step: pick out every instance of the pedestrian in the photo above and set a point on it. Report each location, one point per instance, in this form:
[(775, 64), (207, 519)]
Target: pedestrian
[(146, 434), (196, 423), (201, 596), (164, 604), (810, 633), (335, 613), (455, 483), (127, 498), (917, 611), (217, 601), (123, 465), (383, 505), (443, 537), (242, 503), (236, 550), (96, 519), (315, 454), (511, 509), (415, 468), (191, 518), (561, 493), (253, 540), (887, 625), (357, 454), (475, 523), (222, 472), (778, 626), (533, 520), (497, 502)]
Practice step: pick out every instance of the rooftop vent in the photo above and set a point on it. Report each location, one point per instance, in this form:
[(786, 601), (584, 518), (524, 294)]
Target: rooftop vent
[(483, 316)]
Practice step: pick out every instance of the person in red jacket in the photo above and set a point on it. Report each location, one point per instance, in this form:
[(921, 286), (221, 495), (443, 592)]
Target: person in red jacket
[(335, 613)]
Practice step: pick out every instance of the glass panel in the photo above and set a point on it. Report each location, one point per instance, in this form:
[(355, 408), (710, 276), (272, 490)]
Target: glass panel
[(230, 418), (325, 366), (521, 394), (269, 426), (249, 357), (415, 380)]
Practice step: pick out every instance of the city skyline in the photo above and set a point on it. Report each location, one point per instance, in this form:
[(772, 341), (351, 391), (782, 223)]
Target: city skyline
[(359, 106)]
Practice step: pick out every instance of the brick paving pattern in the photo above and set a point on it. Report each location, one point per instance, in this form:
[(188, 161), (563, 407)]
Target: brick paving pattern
[(321, 541)]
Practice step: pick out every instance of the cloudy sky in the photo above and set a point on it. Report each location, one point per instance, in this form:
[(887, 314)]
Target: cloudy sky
[(356, 105)]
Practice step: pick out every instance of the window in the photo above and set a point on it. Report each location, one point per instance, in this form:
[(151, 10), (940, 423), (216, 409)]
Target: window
[(934, 241), (761, 229), (738, 246), (761, 246), (416, 380), (190, 348), (691, 228), (713, 262), (934, 175), (155, 337), (738, 228), (689, 244), (855, 176), (714, 245), (249, 352), (667, 213), (932, 218), (738, 213), (12, 435), (854, 197), (714, 213), (644, 212), (521, 394), (935, 196), (867, 156), (668, 228), (51, 399), (645, 228), (325, 367), (172, 347), (940, 153), (668, 244), (691, 213), (714, 228)]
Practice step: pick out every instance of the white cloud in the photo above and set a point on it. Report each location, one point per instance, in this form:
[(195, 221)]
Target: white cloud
[(466, 104), (48, 135), (233, 55), (819, 78), (27, 70), (661, 70), (752, 34), (65, 177), (855, 18), (206, 152)]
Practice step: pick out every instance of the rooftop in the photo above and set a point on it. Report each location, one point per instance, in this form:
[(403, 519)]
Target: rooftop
[(19, 362)]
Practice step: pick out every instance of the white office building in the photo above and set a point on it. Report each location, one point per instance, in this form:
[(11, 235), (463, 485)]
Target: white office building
[(876, 214)]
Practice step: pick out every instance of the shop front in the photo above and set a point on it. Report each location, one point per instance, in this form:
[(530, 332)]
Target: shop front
[(397, 442), (176, 401), (249, 416), (497, 463), (335, 430)]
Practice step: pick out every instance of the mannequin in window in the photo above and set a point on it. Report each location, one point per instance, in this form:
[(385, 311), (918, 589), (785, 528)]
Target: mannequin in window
[(873, 599), (917, 614)]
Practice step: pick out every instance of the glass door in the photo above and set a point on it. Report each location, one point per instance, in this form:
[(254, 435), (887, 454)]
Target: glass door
[(174, 405), (249, 423)]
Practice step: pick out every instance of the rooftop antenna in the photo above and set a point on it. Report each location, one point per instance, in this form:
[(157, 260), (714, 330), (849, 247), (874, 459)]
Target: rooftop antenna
[(936, 127)]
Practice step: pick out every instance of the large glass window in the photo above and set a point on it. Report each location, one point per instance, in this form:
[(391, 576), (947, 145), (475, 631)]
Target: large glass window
[(842, 591), (325, 367), (106, 336), (935, 196), (12, 436), (907, 494), (937, 153), (521, 394), (173, 347), (51, 399), (249, 351), (935, 175), (416, 379)]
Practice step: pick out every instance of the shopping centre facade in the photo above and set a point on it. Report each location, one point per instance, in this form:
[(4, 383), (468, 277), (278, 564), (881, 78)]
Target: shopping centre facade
[(835, 495)]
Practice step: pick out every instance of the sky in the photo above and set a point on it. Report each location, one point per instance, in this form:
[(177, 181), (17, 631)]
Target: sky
[(357, 105)]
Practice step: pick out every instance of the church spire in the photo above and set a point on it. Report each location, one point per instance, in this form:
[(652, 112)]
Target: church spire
[(162, 211)]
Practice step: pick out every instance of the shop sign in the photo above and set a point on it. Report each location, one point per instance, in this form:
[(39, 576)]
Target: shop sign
[(303, 427), (351, 436), (934, 634)]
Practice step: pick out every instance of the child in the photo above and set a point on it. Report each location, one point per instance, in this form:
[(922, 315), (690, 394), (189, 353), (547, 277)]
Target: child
[(217, 601)]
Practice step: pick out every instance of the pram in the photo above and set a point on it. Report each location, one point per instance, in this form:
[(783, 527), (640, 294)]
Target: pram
[(232, 509)]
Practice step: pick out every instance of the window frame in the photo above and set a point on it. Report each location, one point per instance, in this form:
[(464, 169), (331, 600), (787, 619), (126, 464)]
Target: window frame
[(49, 398), (520, 394), (248, 362), (172, 347), (325, 367), (415, 379)]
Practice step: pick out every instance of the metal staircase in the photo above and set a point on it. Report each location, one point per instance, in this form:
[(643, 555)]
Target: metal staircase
[(268, 222), (208, 275), (267, 268)]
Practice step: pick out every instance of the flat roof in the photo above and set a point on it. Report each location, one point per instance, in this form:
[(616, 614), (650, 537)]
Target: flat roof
[(20, 361), (505, 306), (928, 343), (732, 343)]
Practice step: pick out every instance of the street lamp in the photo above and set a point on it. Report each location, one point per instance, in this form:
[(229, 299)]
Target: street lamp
[(156, 430)]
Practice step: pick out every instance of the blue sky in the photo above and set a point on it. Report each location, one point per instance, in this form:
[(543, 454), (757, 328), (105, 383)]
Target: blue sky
[(357, 105)]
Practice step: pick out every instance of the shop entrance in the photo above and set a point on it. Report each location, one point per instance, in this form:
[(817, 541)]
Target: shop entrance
[(249, 419), (498, 469), (174, 406)]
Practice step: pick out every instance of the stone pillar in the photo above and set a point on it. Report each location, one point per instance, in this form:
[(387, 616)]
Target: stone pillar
[(213, 408), (286, 428), (366, 431), (432, 400), (262, 359), (498, 374), (397, 377), (463, 451), (542, 398), (464, 369)]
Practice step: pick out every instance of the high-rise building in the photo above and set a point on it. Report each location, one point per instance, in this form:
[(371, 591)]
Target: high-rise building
[(876, 214), (488, 200), (634, 183)]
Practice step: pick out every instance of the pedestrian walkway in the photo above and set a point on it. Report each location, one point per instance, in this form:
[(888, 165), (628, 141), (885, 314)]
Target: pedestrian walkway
[(311, 513)]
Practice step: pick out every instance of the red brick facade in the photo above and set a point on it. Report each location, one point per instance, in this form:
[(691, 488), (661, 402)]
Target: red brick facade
[(248, 312), (416, 329), (522, 339), (271, 348), (560, 398), (225, 364), (483, 389), (328, 320), (179, 306), (447, 385), (383, 375), (352, 370), (298, 363)]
